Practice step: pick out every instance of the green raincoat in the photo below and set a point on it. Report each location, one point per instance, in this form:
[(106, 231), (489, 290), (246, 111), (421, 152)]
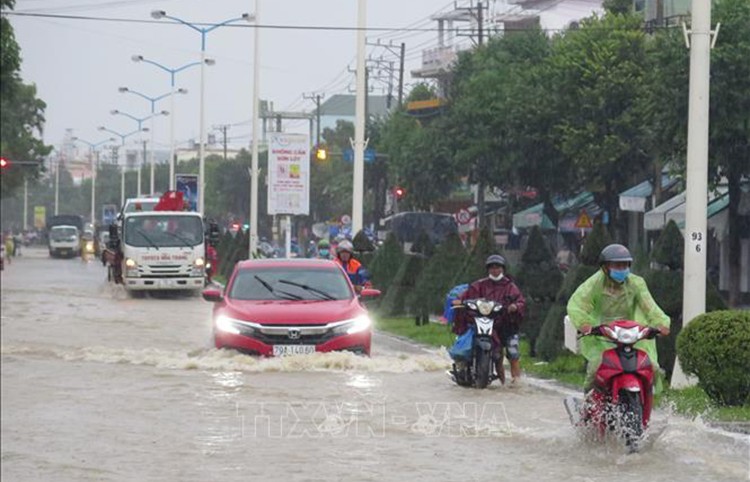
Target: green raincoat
[(601, 300)]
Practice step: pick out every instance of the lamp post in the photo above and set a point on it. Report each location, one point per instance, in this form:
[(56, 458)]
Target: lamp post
[(153, 101), (140, 121), (253, 234), (172, 73), (94, 165), (122, 172), (159, 14)]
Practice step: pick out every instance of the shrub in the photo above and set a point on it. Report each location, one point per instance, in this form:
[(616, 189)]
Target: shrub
[(403, 283), (423, 245), (714, 348), (473, 266), (539, 279), (388, 259), (436, 279), (669, 248), (362, 243), (597, 239)]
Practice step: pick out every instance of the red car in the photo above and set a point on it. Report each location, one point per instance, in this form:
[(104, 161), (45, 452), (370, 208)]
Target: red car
[(276, 307)]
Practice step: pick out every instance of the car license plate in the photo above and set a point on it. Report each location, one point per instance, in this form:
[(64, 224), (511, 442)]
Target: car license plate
[(286, 350), (166, 282)]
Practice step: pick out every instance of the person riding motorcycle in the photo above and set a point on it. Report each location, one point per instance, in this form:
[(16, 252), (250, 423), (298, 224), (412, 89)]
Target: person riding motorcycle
[(498, 287), (324, 249), (614, 293), (357, 273)]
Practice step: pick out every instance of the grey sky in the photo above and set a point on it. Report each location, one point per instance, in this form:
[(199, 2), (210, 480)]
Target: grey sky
[(78, 65)]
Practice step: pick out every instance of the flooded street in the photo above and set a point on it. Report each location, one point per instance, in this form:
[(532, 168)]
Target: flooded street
[(100, 386)]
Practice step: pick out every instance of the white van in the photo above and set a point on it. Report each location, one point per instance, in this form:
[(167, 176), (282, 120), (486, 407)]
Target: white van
[(64, 240)]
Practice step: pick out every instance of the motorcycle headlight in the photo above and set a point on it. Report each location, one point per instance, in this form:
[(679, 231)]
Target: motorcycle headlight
[(627, 336), (485, 307), (355, 325)]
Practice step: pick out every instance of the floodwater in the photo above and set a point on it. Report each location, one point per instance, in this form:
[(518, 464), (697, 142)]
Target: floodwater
[(99, 386)]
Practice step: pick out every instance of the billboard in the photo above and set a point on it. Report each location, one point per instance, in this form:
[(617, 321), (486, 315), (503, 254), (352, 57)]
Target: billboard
[(109, 214), (40, 217), (187, 184), (289, 174)]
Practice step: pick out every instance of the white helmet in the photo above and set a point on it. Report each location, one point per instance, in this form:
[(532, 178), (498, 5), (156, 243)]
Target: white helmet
[(345, 245)]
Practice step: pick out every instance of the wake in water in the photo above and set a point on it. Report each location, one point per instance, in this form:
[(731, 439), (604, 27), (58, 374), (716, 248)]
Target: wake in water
[(223, 360)]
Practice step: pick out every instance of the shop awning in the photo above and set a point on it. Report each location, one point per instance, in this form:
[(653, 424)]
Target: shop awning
[(568, 208), (634, 199)]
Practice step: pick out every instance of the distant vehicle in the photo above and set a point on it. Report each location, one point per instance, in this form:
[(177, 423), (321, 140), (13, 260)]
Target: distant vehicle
[(276, 307), (64, 241), (407, 226), (66, 220)]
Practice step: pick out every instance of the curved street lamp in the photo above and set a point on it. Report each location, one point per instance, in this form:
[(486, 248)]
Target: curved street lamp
[(117, 160), (94, 166), (140, 121), (245, 17)]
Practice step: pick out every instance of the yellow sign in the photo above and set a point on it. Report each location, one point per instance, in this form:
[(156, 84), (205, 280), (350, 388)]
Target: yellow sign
[(584, 221), (40, 216)]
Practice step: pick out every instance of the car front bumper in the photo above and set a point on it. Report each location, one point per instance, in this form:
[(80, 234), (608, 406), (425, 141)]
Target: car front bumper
[(356, 342), (145, 284)]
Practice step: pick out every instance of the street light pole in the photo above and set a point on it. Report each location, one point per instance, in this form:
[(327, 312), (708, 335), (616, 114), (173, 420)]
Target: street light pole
[(159, 14), (57, 185), (172, 73), (253, 235), (122, 171), (94, 165), (359, 127)]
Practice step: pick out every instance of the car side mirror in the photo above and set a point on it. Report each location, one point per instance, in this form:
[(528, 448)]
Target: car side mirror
[(212, 295), (369, 293)]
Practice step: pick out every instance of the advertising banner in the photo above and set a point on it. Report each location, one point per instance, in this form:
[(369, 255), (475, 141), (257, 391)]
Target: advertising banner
[(187, 184), (40, 217), (109, 214), (289, 174)]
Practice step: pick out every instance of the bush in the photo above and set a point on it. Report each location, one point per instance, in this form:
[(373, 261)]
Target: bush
[(362, 243), (597, 239), (714, 348), (539, 279), (473, 267), (403, 283), (669, 248), (388, 259), (436, 279)]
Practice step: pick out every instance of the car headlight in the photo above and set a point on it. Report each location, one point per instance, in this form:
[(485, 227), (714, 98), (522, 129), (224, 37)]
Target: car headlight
[(355, 325), (234, 326)]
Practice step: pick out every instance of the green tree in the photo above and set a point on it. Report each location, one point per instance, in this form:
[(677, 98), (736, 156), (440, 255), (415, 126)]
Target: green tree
[(21, 113), (437, 277)]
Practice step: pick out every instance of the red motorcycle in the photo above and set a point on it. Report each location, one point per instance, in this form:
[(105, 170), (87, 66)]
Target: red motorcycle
[(622, 397)]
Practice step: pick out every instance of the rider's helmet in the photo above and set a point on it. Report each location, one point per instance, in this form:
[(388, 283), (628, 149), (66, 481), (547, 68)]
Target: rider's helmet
[(615, 253), (345, 245), (494, 259), (324, 244)]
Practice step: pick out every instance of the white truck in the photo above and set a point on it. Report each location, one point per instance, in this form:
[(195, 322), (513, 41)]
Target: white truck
[(157, 250), (64, 240)]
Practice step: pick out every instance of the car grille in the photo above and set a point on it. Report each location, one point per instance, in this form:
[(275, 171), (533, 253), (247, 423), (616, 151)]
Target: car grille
[(164, 271), (285, 340)]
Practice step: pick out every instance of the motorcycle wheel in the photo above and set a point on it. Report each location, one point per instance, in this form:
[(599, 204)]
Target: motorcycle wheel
[(483, 370), (631, 418)]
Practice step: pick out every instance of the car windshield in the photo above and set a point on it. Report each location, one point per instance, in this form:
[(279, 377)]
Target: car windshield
[(60, 234), (163, 231), (290, 283)]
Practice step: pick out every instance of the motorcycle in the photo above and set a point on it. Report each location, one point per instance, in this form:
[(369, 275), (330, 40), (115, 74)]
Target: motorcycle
[(472, 353), (622, 397)]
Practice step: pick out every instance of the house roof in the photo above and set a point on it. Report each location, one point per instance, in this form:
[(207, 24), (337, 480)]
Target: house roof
[(345, 105)]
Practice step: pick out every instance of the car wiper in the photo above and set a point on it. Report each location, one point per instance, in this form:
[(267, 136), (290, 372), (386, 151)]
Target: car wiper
[(181, 238), (267, 285), (148, 240), (309, 288)]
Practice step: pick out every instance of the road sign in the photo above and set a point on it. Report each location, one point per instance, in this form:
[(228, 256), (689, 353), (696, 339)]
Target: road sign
[(369, 155), (584, 221), (463, 216)]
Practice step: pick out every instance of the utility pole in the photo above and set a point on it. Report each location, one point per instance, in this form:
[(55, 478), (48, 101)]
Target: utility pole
[(316, 98), (401, 75), (359, 143), (479, 175), (696, 208), (399, 52), (223, 128)]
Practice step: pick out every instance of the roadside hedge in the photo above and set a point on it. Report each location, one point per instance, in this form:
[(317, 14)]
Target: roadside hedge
[(714, 348)]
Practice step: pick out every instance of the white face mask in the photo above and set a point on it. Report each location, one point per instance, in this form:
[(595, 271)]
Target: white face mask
[(496, 278)]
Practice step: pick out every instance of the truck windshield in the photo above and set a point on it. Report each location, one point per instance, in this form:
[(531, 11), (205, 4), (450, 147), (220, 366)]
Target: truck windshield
[(163, 231), (63, 233)]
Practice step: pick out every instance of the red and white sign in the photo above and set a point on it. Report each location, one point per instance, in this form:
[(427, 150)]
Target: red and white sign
[(289, 174), (463, 216)]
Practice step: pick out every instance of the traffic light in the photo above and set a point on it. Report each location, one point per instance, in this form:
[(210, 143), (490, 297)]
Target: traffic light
[(321, 152), (4, 163), (399, 192)]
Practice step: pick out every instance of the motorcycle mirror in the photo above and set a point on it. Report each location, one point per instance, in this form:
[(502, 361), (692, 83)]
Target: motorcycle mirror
[(497, 308)]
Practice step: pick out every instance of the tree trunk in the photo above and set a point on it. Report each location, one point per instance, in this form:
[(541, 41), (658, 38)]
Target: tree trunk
[(734, 240)]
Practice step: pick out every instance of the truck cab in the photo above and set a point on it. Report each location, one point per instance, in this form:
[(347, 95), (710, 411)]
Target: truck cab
[(64, 240)]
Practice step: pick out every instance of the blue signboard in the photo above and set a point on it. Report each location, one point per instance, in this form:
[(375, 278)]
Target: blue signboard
[(187, 184), (370, 155), (109, 214)]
